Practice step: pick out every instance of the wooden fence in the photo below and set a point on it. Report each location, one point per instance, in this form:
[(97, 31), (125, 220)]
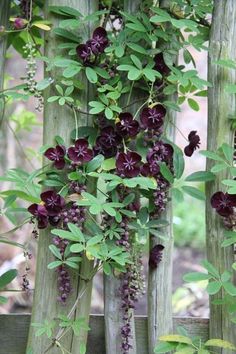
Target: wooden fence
[(14, 328)]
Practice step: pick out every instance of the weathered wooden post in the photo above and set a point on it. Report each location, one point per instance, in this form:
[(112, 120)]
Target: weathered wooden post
[(112, 284), (59, 121), (220, 106), (160, 279), (4, 17)]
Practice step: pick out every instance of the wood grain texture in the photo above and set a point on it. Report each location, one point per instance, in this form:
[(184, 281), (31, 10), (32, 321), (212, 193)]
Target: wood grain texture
[(57, 121), (112, 284), (160, 279), (14, 329), (220, 106)]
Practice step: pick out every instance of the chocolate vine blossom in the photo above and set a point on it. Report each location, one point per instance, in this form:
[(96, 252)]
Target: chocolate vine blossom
[(224, 203), (128, 165), (194, 143), (160, 152), (160, 64), (93, 47), (57, 155), (40, 213), (127, 126), (80, 153), (153, 118), (155, 256), (53, 202)]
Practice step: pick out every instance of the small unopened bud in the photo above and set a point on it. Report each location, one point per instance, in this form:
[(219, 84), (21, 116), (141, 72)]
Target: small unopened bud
[(19, 23)]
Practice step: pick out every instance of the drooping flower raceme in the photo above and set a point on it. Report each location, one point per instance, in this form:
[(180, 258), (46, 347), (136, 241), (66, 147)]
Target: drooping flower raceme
[(155, 256)]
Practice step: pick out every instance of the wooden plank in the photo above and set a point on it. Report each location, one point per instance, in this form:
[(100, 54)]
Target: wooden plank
[(112, 284), (220, 106), (14, 329), (160, 279), (57, 121)]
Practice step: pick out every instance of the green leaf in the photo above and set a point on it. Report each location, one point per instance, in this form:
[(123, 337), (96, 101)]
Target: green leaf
[(54, 264), (196, 276), (228, 151), (43, 84), (213, 287), (179, 162), (193, 104), (65, 234), (3, 300), (65, 11), (176, 338), (229, 288), (82, 348), (7, 277), (98, 107), (164, 348), (220, 343), (210, 268), (134, 74), (109, 164), (226, 63), (200, 176), (108, 113), (136, 61), (77, 248), (76, 232), (212, 155), (137, 48), (219, 167), (136, 27), (95, 163), (55, 251), (91, 75), (194, 192), (66, 34), (107, 268), (71, 71), (166, 173), (119, 51)]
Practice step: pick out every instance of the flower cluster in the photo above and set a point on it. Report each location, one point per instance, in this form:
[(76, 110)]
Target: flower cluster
[(155, 256), (224, 203), (89, 51)]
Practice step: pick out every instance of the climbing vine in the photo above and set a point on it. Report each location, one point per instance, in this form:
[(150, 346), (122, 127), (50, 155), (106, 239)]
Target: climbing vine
[(126, 151)]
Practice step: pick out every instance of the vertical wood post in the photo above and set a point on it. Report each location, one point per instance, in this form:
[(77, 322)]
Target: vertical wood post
[(58, 121), (220, 106), (160, 279), (4, 17), (112, 284)]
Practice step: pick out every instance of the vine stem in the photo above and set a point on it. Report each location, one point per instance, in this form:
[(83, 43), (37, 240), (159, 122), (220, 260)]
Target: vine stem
[(76, 123), (62, 331)]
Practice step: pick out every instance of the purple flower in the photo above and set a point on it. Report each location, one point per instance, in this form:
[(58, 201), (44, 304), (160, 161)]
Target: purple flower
[(101, 148), (53, 202), (57, 155), (80, 153), (19, 23), (155, 256), (128, 164), (99, 41), (40, 213), (127, 126), (160, 64), (153, 118), (194, 143), (84, 52), (160, 152), (224, 203), (109, 137)]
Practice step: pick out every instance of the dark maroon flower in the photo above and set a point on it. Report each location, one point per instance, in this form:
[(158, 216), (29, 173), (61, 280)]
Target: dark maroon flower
[(224, 203), (109, 137), (127, 126), (57, 155), (153, 118), (99, 41), (80, 153), (19, 23), (194, 143), (53, 202), (40, 213), (160, 64), (101, 148), (84, 53), (128, 164), (161, 152), (155, 256)]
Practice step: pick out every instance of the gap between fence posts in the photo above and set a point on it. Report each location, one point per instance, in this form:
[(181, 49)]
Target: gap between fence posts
[(58, 121), (220, 106)]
